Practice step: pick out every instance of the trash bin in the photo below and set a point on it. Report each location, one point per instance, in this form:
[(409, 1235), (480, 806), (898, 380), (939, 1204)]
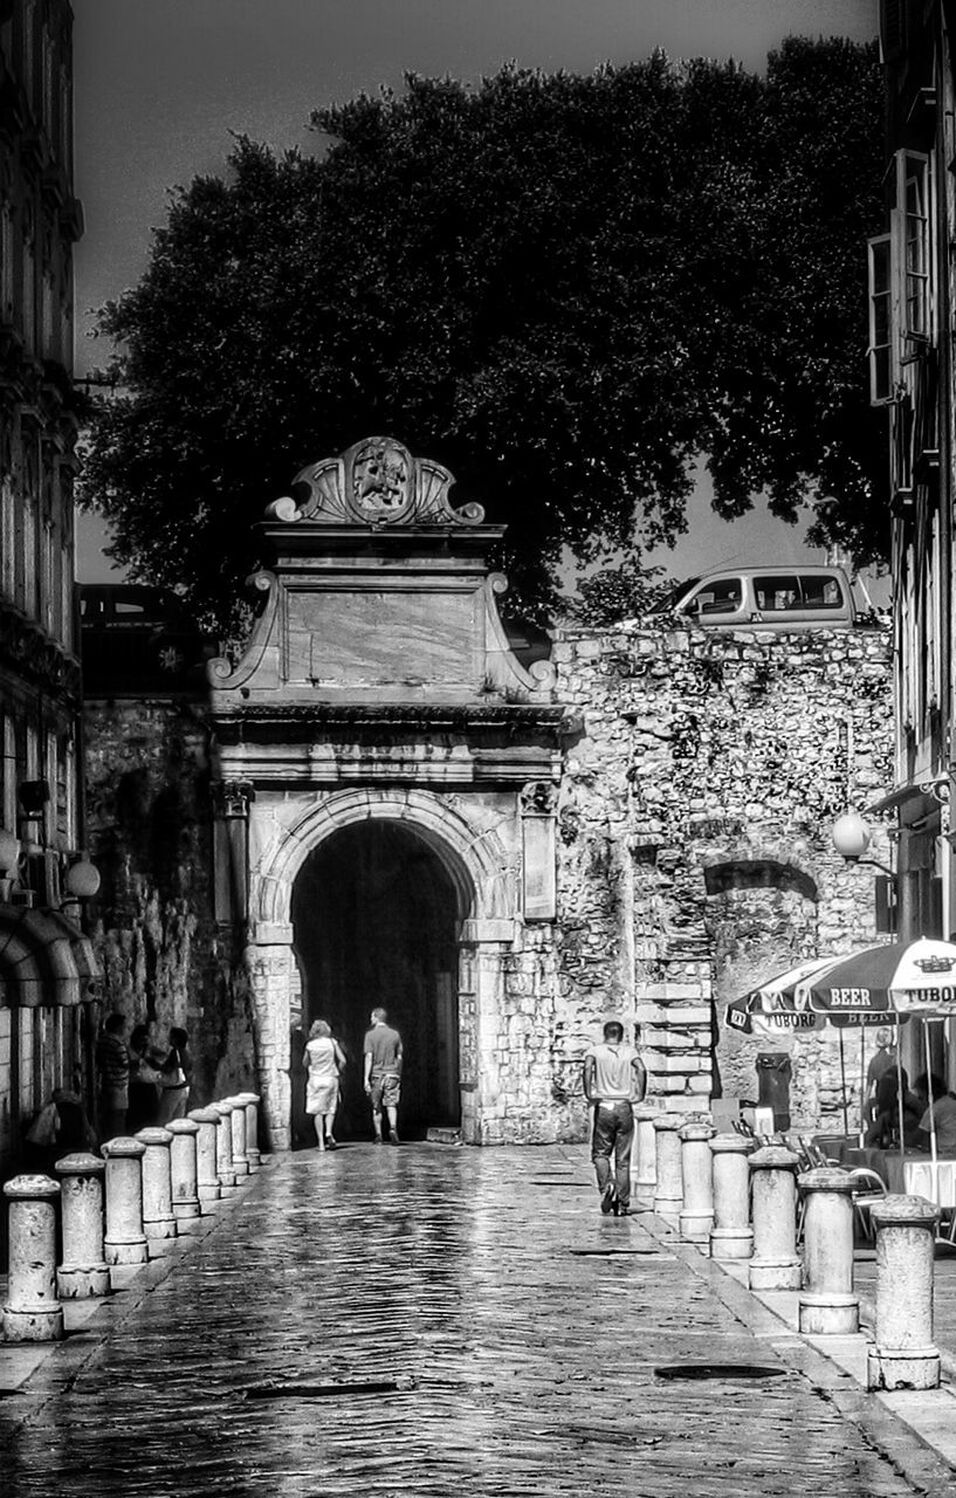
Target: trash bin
[(773, 1086)]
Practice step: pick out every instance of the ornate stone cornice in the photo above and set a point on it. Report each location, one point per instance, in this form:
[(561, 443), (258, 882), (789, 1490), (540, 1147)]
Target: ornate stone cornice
[(383, 715), (30, 652)]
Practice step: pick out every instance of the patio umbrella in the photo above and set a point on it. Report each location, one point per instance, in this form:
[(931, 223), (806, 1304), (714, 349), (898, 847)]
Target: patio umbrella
[(917, 977), (904, 976), (779, 1006)]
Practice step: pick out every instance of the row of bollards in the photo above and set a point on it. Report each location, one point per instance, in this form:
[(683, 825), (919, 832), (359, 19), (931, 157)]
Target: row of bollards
[(738, 1202), (118, 1210)]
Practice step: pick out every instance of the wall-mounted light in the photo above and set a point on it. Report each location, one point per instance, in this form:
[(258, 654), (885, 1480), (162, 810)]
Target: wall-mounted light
[(82, 880), (851, 835)]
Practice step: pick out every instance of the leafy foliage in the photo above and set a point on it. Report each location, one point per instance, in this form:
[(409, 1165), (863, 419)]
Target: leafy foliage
[(564, 288)]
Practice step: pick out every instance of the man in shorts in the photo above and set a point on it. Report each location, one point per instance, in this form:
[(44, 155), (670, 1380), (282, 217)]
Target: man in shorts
[(383, 1073), (614, 1080)]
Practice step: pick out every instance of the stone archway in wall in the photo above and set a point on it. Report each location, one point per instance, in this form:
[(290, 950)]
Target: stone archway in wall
[(307, 862), (375, 921)]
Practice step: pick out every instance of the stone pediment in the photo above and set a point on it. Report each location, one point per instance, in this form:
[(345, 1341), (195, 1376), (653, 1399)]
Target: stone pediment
[(379, 592), (376, 483)]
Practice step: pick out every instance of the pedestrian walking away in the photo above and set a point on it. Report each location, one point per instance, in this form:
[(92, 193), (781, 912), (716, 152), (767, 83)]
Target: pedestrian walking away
[(614, 1080), (383, 1073), (325, 1059), (112, 1070)]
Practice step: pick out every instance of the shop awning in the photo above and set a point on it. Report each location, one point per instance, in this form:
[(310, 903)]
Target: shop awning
[(44, 959)]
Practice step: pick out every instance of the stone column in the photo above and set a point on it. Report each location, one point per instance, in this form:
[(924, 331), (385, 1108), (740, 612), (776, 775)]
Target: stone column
[(645, 1153), (125, 1241), (270, 966), (182, 1170), (83, 1271), (669, 1184), (697, 1211), (732, 1237), (158, 1219), (32, 1312), (903, 1354), (224, 1166), (773, 1179), (207, 1171), (827, 1304), (237, 1121), (250, 1101)]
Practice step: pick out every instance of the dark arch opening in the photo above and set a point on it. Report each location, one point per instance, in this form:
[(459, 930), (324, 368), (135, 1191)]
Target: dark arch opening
[(374, 914)]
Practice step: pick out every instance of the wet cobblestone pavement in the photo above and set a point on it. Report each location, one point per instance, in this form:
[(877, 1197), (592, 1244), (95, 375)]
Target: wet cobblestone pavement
[(519, 1328)]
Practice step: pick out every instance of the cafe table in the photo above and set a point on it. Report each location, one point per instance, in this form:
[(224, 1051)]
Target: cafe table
[(912, 1174)]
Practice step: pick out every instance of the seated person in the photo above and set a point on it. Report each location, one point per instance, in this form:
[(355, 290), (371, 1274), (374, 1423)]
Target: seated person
[(60, 1128), (884, 1131), (942, 1118)]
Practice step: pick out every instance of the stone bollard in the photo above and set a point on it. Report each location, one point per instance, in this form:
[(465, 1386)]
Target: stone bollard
[(645, 1153), (250, 1101), (125, 1241), (773, 1181), (83, 1271), (158, 1219), (903, 1355), (207, 1178), (697, 1211), (668, 1184), (237, 1120), (827, 1304), (224, 1167), (32, 1312), (183, 1170), (731, 1236)]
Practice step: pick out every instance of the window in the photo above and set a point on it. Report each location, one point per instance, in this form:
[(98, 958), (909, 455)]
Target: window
[(915, 230), (723, 596), (777, 593), (820, 592), (901, 310), (881, 321)]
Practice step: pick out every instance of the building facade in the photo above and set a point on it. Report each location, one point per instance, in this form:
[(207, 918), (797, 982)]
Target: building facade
[(911, 375), (46, 970)]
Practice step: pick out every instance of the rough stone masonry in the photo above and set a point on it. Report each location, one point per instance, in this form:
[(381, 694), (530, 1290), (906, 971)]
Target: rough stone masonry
[(694, 838)]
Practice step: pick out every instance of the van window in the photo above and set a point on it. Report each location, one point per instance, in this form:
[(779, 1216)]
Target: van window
[(777, 592), (821, 592), (723, 596)]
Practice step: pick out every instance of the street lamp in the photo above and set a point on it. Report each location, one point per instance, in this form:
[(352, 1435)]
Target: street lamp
[(82, 882), (851, 835)]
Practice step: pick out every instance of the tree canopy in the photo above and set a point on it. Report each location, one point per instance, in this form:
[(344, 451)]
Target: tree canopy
[(564, 288)]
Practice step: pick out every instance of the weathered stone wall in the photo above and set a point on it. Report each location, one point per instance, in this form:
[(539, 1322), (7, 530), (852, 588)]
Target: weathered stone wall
[(694, 841), (149, 831)]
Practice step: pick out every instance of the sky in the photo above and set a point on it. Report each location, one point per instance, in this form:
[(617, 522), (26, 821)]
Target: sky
[(160, 84)]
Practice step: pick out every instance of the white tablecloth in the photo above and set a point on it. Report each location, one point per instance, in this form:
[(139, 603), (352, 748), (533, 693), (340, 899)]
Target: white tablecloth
[(914, 1175)]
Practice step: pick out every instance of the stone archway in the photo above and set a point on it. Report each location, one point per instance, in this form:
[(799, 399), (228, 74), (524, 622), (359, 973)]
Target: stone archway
[(375, 922), (476, 869)]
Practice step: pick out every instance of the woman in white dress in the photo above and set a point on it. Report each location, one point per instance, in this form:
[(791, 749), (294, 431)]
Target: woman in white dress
[(324, 1059)]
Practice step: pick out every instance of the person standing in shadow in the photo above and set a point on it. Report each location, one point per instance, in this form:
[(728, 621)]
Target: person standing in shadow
[(145, 1078)]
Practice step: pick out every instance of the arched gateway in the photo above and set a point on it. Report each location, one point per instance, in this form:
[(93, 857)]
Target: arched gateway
[(386, 790)]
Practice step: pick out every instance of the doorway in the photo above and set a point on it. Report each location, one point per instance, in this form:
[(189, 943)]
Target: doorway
[(374, 915)]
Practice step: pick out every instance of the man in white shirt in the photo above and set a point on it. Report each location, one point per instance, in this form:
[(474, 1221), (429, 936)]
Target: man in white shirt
[(614, 1080)]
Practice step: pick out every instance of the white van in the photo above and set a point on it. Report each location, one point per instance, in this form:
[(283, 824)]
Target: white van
[(767, 597)]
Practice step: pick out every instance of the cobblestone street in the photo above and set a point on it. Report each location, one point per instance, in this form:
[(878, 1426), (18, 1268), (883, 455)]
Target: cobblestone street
[(506, 1333)]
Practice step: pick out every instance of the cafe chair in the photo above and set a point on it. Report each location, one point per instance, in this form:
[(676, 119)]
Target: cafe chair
[(869, 1188)]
